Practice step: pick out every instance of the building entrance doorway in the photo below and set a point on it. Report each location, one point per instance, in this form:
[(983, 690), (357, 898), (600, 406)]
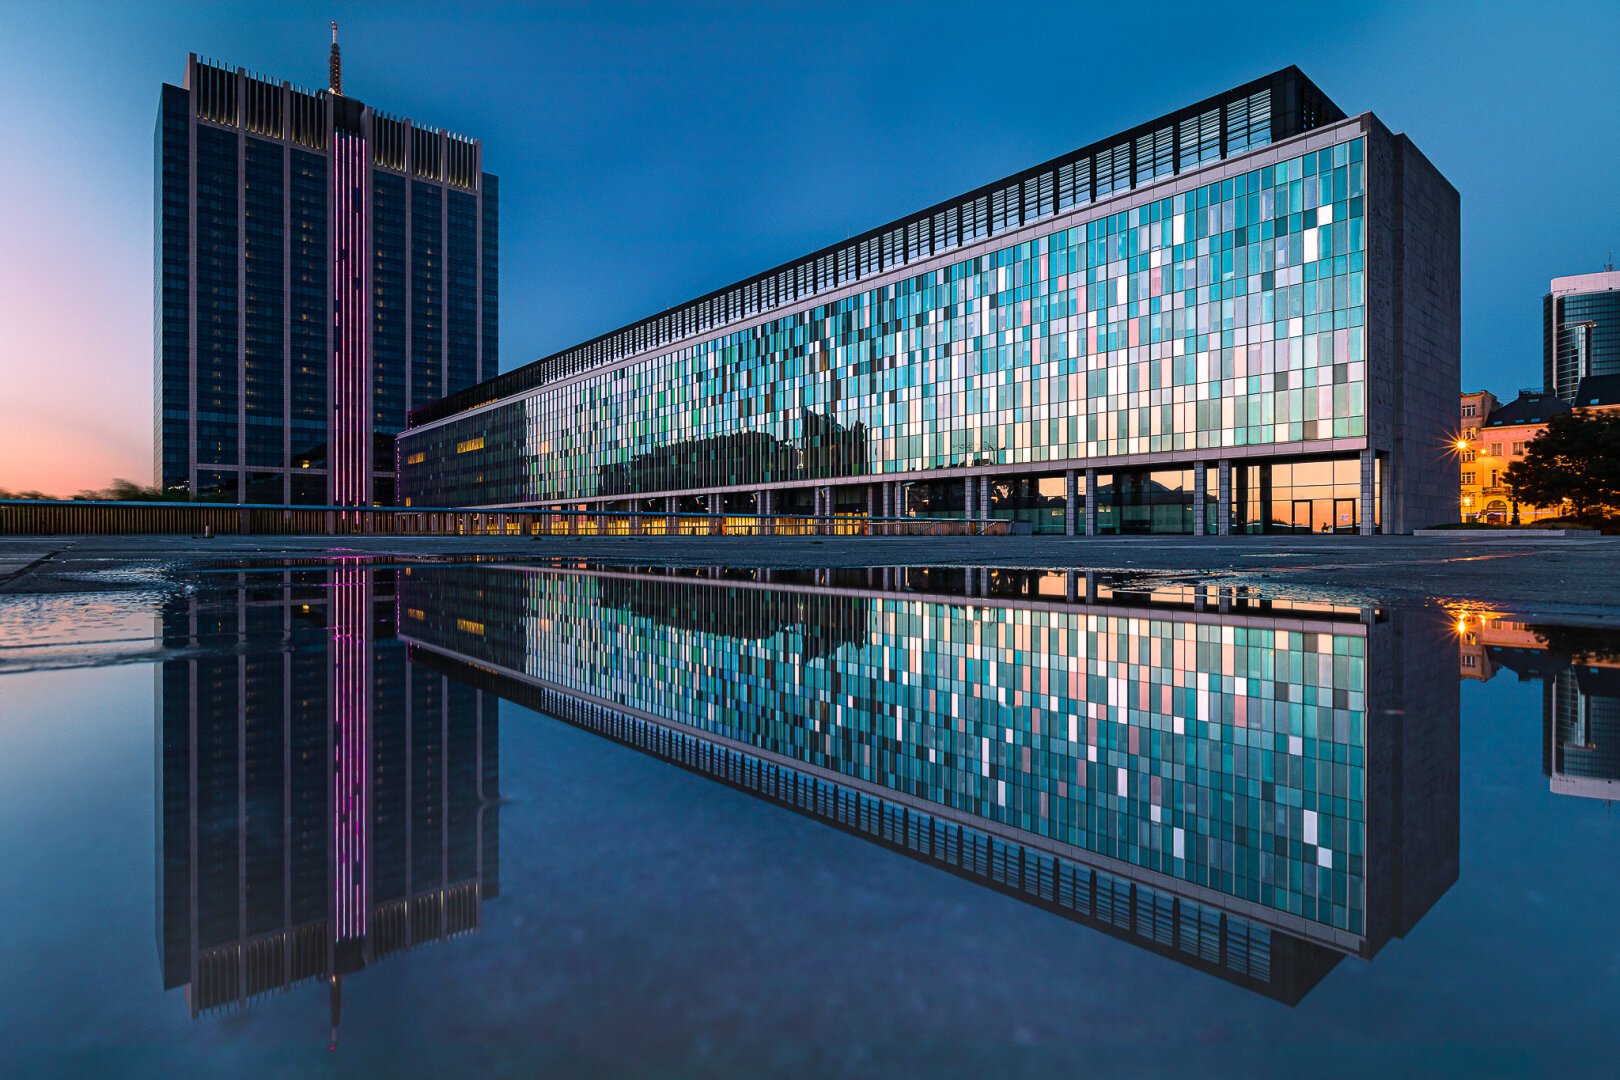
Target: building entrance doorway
[(1344, 516), (1302, 516)]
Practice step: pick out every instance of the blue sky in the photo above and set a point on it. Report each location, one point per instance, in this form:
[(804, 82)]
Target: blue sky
[(652, 152)]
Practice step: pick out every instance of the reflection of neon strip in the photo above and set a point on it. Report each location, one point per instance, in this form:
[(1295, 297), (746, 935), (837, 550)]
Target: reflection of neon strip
[(351, 719), (351, 420)]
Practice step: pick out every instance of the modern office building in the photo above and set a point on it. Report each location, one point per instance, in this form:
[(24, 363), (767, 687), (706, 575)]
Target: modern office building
[(1240, 316), (1580, 318), (1254, 789), (323, 803), (321, 268)]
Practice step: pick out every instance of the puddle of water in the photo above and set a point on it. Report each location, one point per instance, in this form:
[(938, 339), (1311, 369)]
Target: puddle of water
[(1021, 800)]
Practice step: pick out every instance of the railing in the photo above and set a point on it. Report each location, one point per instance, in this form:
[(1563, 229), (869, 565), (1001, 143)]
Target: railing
[(27, 517)]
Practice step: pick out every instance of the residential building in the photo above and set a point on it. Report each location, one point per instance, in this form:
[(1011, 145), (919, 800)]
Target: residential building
[(1476, 406), (1503, 437), (1242, 316), (1492, 436), (1580, 330), (321, 268)]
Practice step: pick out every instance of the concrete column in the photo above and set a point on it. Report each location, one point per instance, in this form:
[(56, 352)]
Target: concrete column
[(984, 496), (886, 493), (1091, 586), (670, 525), (1223, 504), (1369, 504), (1200, 482), (1071, 579), (970, 497), (1071, 504), (573, 520), (1091, 502)]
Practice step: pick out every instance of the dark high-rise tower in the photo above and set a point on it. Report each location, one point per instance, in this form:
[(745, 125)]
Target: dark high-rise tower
[(321, 268), (1580, 335)]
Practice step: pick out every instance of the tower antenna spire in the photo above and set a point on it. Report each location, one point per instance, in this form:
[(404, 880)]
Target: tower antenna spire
[(334, 65)]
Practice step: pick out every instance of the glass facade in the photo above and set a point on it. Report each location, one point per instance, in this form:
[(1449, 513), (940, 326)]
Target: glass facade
[(263, 347), (1581, 334), (171, 367), (218, 248), (427, 292), (1227, 316), (244, 303), (311, 308)]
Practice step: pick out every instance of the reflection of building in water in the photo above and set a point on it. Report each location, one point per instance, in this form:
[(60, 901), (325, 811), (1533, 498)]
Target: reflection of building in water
[(323, 803), (1579, 673), (1253, 789)]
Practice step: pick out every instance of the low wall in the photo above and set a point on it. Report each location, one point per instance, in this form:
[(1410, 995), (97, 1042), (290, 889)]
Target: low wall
[(26, 517)]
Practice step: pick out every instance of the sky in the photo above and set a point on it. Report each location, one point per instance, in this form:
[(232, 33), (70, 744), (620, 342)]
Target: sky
[(651, 152)]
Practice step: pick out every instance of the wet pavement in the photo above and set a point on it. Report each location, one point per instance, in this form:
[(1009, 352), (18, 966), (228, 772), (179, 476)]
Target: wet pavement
[(1575, 578), (411, 816)]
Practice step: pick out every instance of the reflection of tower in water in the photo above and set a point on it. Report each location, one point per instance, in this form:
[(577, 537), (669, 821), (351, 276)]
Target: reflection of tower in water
[(1579, 672), (1581, 744), (323, 803)]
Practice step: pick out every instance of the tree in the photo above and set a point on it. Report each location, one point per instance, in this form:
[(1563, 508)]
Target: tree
[(1575, 459), (121, 490)]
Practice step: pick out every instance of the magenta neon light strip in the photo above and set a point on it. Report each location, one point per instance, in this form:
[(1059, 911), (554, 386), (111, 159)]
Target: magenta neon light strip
[(351, 739), (351, 367)]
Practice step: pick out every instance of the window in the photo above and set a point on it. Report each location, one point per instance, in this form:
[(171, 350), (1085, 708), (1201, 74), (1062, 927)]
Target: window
[(1468, 477), (1469, 660), (1470, 410), (1469, 455), (1518, 448), (1495, 449), (469, 445), (1471, 433)]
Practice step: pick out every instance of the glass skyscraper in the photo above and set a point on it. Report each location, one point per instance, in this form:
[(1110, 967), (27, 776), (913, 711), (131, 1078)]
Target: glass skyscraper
[(1241, 316), (1580, 331), (321, 268)]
